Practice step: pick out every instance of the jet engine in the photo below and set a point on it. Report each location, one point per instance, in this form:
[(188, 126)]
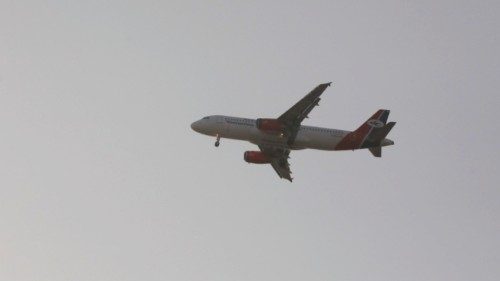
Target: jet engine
[(270, 125), (256, 157)]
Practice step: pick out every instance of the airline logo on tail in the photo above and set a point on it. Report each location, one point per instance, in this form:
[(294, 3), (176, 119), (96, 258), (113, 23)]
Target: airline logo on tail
[(375, 123)]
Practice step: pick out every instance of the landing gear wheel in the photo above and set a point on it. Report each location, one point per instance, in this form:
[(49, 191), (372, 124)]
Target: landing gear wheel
[(217, 142)]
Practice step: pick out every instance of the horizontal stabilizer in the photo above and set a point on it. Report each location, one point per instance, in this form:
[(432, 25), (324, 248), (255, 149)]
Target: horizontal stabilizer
[(376, 139), (378, 134), (376, 151)]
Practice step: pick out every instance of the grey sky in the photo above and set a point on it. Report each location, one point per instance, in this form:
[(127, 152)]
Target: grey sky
[(103, 179)]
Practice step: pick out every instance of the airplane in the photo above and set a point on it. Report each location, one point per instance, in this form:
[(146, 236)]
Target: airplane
[(276, 137)]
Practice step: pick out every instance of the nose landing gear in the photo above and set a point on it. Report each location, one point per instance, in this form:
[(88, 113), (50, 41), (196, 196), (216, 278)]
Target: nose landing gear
[(217, 141)]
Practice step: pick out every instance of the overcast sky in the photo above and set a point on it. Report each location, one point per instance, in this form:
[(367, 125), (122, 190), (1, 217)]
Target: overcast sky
[(102, 178)]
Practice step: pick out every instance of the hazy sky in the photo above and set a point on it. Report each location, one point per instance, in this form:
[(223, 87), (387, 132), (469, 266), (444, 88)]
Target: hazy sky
[(101, 177)]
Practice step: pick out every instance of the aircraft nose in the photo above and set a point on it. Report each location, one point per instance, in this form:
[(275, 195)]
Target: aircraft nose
[(195, 126)]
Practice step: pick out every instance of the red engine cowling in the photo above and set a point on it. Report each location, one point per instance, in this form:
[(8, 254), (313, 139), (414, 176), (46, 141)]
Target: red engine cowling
[(256, 157), (270, 125)]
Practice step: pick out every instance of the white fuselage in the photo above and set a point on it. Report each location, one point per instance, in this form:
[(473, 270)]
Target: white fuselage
[(246, 130)]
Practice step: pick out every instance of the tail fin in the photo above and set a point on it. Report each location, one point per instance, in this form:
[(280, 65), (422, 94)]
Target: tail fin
[(377, 135), (362, 137), (377, 139)]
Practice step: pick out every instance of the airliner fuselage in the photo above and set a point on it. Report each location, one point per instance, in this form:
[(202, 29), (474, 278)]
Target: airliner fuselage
[(246, 130), (277, 137)]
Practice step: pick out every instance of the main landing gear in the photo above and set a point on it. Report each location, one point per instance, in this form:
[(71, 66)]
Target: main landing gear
[(217, 142)]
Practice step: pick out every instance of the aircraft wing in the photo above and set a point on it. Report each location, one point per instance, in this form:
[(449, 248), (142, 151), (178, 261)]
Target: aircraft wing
[(280, 160), (297, 113)]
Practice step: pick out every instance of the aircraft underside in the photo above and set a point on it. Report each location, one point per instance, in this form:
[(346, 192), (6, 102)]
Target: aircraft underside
[(277, 137)]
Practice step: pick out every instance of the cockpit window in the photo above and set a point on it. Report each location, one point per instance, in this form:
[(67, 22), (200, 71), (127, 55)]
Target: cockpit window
[(206, 118)]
